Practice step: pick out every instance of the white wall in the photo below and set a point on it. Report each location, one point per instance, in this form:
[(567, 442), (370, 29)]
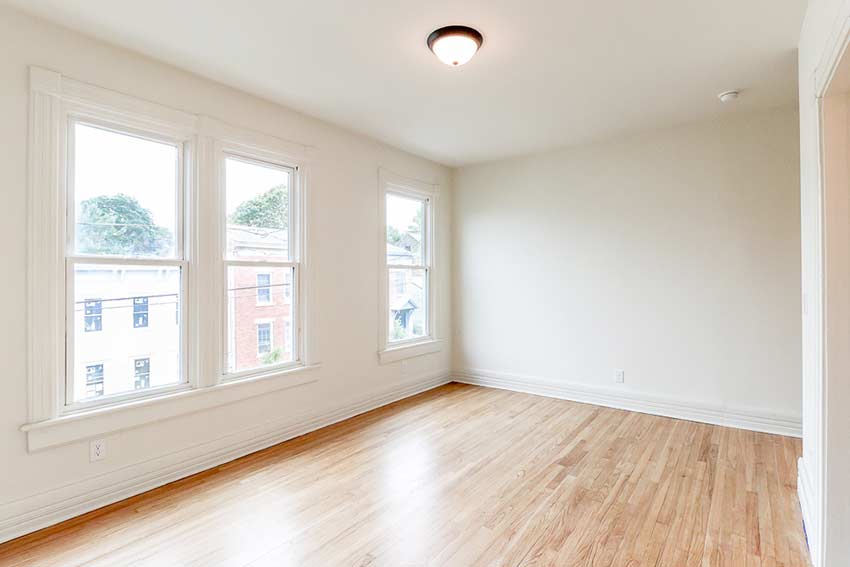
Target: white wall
[(674, 255), (344, 196), (826, 507)]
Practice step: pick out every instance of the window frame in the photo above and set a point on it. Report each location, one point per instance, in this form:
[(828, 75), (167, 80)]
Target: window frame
[(390, 183), (50, 420), (264, 157), (73, 113)]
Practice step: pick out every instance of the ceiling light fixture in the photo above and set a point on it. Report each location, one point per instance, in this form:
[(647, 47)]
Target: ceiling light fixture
[(455, 45), (728, 96)]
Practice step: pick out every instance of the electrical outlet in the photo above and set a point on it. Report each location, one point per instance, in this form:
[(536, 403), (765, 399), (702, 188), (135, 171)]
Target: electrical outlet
[(619, 376), (97, 450), (404, 368)]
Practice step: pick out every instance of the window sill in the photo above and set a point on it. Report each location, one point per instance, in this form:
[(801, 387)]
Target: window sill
[(410, 350), (105, 420)]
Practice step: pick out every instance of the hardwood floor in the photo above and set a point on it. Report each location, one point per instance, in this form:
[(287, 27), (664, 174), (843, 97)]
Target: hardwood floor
[(464, 476)]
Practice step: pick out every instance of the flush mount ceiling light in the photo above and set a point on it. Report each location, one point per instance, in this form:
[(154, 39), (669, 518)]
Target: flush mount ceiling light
[(455, 45), (729, 96)]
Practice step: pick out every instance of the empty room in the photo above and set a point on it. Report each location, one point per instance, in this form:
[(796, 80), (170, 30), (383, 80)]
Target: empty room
[(422, 284)]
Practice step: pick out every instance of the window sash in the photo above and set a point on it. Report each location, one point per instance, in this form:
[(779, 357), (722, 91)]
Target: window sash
[(426, 309), (293, 170), (293, 262), (399, 189), (122, 125), (295, 316), (71, 405), (136, 132)]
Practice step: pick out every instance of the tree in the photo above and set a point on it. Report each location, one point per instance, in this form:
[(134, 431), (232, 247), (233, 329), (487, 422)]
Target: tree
[(393, 235), (268, 210), (119, 225)]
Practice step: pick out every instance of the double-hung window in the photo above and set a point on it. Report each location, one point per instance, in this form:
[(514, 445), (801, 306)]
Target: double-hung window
[(406, 250), (159, 239), (261, 260), (124, 243)]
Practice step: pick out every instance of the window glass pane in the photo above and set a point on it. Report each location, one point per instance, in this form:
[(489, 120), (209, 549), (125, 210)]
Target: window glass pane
[(405, 222), (258, 198), (407, 307), (125, 194), (259, 331), (135, 322)]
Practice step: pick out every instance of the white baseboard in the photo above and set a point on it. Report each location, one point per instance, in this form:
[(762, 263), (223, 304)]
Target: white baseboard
[(42, 510), (806, 494), (681, 409)]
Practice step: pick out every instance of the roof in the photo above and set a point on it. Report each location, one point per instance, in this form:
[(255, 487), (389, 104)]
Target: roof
[(256, 241)]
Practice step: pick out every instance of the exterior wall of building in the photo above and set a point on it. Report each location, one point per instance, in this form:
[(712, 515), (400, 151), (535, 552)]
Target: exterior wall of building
[(248, 309), (122, 332)]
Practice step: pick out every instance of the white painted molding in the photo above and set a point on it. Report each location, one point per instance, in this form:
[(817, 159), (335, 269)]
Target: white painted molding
[(389, 181), (45, 264), (806, 495), (135, 413), (632, 401), (45, 509), (409, 351)]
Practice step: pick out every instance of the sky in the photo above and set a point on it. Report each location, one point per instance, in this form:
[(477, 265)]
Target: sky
[(401, 211)]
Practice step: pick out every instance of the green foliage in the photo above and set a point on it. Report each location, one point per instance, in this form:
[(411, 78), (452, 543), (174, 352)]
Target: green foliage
[(398, 331), (269, 210), (272, 357), (393, 235), (119, 225)]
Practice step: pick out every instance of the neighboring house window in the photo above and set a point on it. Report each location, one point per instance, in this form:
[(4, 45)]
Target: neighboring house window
[(264, 290), (262, 260), (140, 312), (93, 319), (264, 338), (143, 373), (94, 380)]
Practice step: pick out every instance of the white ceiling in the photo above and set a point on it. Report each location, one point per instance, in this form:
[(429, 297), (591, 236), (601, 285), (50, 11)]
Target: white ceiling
[(551, 72)]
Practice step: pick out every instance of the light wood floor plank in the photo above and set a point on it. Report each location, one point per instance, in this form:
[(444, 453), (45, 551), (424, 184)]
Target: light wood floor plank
[(463, 476)]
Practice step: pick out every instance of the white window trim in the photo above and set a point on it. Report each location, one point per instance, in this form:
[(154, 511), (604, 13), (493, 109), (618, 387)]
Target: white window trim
[(50, 421), (228, 144), (389, 182), (89, 112)]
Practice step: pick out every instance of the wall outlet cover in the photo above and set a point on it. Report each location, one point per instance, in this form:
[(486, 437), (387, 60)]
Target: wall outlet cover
[(97, 450)]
